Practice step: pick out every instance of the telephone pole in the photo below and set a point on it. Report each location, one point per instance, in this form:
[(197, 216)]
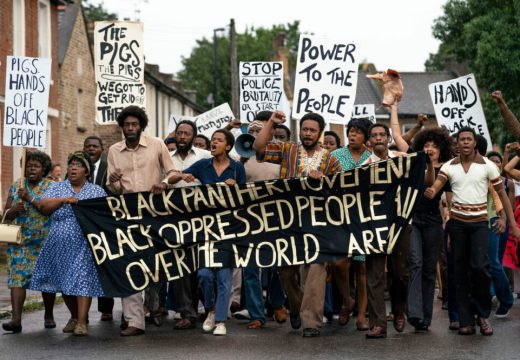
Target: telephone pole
[(234, 68)]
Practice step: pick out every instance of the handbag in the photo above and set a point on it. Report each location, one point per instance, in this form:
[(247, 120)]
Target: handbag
[(9, 233)]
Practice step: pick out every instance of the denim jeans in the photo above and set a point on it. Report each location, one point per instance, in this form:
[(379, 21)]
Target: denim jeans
[(500, 283), (224, 284), (470, 242), (253, 294)]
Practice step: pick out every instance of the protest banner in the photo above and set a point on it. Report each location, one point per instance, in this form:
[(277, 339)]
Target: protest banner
[(326, 78), (27, 84), (457, 104), (119, 68), (140, 238), (174, 120), (261, 88), (214, 119), (364, 111)]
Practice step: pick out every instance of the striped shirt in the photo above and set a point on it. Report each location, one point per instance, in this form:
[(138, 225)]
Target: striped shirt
[(470, 188), (291, 158)]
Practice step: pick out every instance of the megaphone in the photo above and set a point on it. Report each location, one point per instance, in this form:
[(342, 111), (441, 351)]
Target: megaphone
[(244, 145)]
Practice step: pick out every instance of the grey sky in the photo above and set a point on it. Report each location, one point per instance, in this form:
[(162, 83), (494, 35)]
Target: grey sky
[(392, 34)]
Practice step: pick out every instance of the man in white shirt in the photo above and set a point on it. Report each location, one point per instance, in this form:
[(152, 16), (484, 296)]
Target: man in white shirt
[(469, 175), (185, 288)]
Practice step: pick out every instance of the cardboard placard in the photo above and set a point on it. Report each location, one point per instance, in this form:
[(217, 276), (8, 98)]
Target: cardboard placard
[(457, 104), (261, 88), (27, 84), (214, 119), (326, 78), (119, 68)]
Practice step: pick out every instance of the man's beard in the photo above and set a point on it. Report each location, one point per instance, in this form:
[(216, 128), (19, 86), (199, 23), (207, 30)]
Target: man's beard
[(185, 149), (309, 147)]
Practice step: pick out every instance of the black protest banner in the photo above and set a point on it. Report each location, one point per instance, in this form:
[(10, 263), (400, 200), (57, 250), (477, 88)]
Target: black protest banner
[(326, 78), (27, 83), (141, 238), (261, 87), (119, 68), (457, 104)]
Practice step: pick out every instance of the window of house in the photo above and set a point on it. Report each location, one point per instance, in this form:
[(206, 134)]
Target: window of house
[(44, 29), (79, 109), (19, 27)]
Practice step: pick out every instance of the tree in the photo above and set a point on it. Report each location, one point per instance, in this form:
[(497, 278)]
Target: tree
[(483, 35), (97, 12), (252, 45)]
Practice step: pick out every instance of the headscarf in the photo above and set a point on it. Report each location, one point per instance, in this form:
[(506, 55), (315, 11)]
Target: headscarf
[(80, 156)]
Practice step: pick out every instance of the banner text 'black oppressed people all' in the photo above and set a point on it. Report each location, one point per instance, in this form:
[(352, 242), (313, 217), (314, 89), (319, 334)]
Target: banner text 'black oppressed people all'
[(141, 238)]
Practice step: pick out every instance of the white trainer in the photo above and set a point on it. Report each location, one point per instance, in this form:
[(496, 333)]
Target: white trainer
[(242, 315), (209, 323), (220, 329)]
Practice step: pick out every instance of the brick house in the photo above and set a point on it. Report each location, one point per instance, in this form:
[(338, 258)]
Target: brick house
[(28, 28)]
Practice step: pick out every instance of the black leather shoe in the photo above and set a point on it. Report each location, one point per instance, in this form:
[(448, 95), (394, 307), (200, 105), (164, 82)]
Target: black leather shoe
[(12, 327), (296, 321), (132, 331), (467, 330), (420, 327), (310, 332)]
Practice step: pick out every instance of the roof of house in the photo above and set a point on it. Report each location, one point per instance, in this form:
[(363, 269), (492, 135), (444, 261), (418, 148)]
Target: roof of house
[(368, 93), (416, 98), (67, 20)]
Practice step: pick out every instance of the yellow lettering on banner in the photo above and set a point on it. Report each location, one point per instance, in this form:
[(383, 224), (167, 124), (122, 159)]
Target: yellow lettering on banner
[(240, 192), (392, 167), (145, 231), (122, 239), (143, 270), (374, 203), (375, 176), (271, 189), (197, 226), (302, 203), (211, 253), (257, 195), (166, 196), (215, 193), (230, 196), (96, 242), (128, 215), (222, 224), (167, 241), (152, 206), (353, 245), (381, 240), (257, 217), (131, 238), (187, 193), (349, 200), (199, 198), (244, 220), (284, 223), (392, 238), (409, 164), (329, 212), (368, 236), (273, 251), (330, 181), (282, 245), (143, 204), (362, 216), (295, 260), (346, 182), (208, 233), (266, 215), (114, 204), (184, 228), (239, 260), (311, 237), (314, 210), (179, 260)]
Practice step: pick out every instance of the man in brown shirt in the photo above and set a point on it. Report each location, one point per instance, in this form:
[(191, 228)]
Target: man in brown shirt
[(137, 163)]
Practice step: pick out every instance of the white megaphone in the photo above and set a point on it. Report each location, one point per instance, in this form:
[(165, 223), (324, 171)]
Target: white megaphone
[(244, 145)]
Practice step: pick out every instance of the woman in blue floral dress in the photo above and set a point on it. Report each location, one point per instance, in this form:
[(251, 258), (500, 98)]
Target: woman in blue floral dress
[(66, 263), (23, 208)]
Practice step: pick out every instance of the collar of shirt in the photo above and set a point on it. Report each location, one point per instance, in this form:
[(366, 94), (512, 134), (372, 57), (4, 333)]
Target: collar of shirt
[(142, 142)]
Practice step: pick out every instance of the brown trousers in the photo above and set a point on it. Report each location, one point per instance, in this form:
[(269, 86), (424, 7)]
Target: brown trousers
[(305, 288), (397, 266)]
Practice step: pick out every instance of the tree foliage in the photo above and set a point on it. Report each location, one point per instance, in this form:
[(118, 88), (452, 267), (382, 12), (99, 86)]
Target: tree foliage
[(97, 12), (255, 44), (484, 36)]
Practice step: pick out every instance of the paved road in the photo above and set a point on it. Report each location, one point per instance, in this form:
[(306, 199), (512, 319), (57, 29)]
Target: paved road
[(273, 342)]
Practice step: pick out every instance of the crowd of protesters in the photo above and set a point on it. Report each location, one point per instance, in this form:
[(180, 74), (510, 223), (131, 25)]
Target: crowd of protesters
[(455, 241)]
